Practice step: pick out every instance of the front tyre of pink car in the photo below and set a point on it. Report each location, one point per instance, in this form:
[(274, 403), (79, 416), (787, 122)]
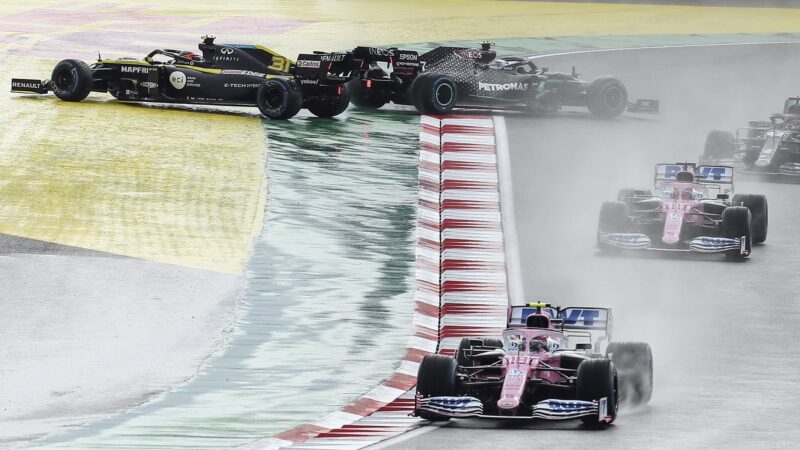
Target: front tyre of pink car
[(597, 379), (436, 377)]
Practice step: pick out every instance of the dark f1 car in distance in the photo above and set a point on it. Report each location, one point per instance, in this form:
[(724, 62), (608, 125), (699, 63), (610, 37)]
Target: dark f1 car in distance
[(683, 216), (232, 74), (765, 147), (449, 77), (532, 371)]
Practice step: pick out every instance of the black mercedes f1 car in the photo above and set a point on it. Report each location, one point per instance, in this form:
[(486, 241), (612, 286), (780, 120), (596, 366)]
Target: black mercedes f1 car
[(770, 147), (221, 74), (449, 77)]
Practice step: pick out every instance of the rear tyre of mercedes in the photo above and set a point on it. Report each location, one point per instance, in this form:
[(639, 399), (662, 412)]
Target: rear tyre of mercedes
[(279, 99), (759, 220), (634, 363), (613, 219), (363, 97), (434, 93), (719, 146), (736, 225), (436, 377), (72, 80), (597, 379), (330, 105), (606, 97)]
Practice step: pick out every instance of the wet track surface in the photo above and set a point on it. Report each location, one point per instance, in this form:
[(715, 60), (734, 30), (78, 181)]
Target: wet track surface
[(326, 297), (723, 333)]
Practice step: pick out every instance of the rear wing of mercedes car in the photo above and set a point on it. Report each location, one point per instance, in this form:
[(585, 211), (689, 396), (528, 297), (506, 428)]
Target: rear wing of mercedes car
[(582, 324), (401, 61)]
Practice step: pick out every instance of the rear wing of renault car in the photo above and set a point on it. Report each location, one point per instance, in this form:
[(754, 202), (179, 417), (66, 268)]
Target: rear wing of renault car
[(333, 68)]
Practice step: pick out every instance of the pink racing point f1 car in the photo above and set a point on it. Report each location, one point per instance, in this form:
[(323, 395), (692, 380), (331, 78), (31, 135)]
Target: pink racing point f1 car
[(532, 372), (689, 211)]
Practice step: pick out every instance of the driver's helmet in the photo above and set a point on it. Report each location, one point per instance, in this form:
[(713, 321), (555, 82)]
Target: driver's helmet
[(538, 344), (687, 194)]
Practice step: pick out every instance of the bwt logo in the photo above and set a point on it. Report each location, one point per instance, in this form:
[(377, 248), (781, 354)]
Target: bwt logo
[(565, 406), (713, 173), (588, 316)]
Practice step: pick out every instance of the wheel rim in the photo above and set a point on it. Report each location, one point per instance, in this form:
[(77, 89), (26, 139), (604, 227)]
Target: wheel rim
[(444, 94), (64, 79), (613, 98), (273, 97)]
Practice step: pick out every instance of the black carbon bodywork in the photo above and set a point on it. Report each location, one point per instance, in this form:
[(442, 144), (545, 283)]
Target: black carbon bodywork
[(482, 80), (770, 147), (219, 74)]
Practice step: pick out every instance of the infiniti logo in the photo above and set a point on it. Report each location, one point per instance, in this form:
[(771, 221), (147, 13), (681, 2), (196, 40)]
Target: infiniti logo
[(226, 51)]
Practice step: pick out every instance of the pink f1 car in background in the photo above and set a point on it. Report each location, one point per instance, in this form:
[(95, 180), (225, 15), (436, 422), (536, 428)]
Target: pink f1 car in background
[(689, 211), (532, 371)]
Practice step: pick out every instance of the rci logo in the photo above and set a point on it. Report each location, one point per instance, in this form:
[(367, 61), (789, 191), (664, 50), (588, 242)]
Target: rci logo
[(178, 80)]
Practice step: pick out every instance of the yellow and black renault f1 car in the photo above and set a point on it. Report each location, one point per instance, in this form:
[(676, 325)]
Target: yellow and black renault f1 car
[(458, 77), (220, 74)]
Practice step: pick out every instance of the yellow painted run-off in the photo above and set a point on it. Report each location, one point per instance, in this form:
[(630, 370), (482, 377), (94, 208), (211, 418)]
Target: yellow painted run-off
[(174, 186), (188, 187)]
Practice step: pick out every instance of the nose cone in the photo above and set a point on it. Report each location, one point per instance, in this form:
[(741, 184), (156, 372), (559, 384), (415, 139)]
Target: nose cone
[(672, 227), (507, 403), (670, 238)]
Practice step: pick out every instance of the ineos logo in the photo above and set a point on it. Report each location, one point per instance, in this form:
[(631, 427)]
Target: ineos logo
[(226, 51)]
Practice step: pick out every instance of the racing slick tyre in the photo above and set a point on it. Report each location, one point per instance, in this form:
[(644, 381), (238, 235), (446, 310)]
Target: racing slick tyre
[(606, 97), (757, 204), (436, 377), (330, 105), (279, 98), (71, 80), (365, 98), (719, 145), (597, 379), (487, 344), (634, 363), (613, 219), (434, 93), (736, 224)]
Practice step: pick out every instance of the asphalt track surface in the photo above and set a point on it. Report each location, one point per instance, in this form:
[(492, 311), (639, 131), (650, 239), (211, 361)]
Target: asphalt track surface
[(722, 333)]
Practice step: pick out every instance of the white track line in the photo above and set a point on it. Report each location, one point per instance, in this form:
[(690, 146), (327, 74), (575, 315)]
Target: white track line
[(655, 47), (516, 294)]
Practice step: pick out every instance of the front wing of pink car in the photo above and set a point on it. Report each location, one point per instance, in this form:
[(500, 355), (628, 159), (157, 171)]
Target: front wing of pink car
[(551, 409)]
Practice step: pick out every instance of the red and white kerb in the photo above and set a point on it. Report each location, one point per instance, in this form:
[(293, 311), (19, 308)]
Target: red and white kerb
[(461, 287)]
